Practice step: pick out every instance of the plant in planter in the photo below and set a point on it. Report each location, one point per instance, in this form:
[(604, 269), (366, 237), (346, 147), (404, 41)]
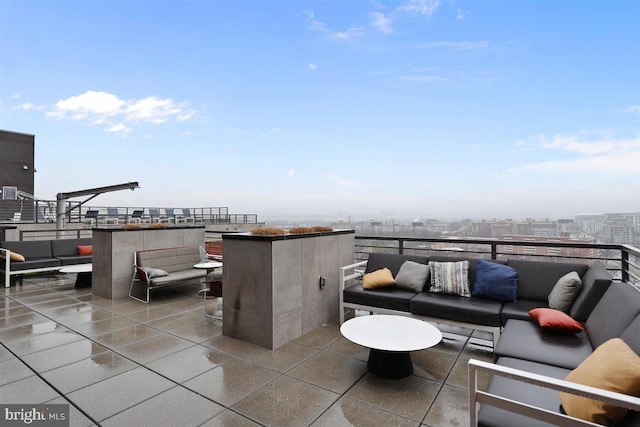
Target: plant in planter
[(268, 231)]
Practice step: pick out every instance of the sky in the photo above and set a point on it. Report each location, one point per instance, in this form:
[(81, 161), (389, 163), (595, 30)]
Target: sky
[(373, 109)]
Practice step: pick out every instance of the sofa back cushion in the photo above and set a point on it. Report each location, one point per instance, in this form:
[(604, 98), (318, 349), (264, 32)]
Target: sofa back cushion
[(614, 313), (393, 262), (631, 335), (68, 247), (170, 260), (536, 279), (595, 283), (32, 249)]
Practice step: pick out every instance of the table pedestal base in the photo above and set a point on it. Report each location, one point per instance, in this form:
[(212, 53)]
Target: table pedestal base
[(390, 364), (83, 280)]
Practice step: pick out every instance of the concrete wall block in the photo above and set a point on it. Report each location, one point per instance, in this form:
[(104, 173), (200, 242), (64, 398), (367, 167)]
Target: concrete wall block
[(287, 275), (247, 276), (287, 327), (247, 326)]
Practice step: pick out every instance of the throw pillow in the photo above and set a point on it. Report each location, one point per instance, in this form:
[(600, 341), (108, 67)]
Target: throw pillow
[(557, 320), (154, 272), (412, 276), (378, 279), (14, 256), (565, 292), (495, 281), (613, 366), (85, 250), (450, 278)]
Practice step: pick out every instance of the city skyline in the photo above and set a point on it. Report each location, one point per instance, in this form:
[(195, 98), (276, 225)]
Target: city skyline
[(380, 109)]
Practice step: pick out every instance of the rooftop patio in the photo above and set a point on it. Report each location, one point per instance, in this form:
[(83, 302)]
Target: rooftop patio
[(122, 362)]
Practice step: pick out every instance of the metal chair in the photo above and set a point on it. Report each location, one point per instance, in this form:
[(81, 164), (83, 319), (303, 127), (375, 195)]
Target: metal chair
[(113, 217), (154, 213), (91, 215), (136, 216), (186, 215)]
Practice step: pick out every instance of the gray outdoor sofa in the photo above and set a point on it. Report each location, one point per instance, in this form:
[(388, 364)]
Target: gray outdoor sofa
[(526, 355), (536, 279), (41, 256)]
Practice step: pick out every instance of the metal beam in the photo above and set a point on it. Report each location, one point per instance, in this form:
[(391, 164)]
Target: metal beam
[(93, 192)]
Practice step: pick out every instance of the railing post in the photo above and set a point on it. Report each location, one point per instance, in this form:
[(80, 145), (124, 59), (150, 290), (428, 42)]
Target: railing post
[(400, 246), (494, 250), (624, 263)]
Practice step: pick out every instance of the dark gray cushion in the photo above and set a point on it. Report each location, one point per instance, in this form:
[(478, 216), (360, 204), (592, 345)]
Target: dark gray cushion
[(534, 395), (536, 279), (78, 259), (34, 249), (391, 298), (631, 335), (526, 340), (68, 247), (565, 292), (412, 276), (454, 307), (613, 313), (520, 309), (595, 283), (391, 261), (34, 263)]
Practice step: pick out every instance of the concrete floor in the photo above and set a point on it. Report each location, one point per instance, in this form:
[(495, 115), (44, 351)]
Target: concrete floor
[(125, 363)]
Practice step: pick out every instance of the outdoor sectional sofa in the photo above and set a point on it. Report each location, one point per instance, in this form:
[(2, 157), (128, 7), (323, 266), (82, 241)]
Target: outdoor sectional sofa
[(41, 256), (535, 282), (532, 363), (527, 349)]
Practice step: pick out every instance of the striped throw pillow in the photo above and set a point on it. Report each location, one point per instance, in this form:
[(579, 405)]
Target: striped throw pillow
[(450, 278)]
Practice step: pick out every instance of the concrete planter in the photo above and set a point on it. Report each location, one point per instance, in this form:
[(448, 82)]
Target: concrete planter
[(271, 284), (113, 250)]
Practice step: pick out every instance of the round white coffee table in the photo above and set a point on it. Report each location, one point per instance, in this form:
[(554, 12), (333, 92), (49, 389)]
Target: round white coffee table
[(391, 339), (84, 273)]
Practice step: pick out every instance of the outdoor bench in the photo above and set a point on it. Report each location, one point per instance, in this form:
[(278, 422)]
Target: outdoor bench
[(161, 267), (37, 256)]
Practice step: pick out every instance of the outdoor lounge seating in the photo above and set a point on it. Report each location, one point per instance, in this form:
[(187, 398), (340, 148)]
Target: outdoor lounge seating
[(37, 256), (553, 354), (161, 267), (536, 279)]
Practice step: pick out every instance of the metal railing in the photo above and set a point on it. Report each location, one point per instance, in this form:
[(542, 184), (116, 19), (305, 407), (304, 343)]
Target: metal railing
[(622, 261)]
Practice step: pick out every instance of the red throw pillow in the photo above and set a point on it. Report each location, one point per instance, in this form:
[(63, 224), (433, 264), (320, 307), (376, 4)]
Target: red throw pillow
[(556, 320), (85, 250)]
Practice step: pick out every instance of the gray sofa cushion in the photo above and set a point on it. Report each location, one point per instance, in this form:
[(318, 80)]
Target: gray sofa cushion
[(68, 247), (631, 335), (565, 291), (536, 279), (35, 249), (412, 276), (595, 283), (391, 298), (614, 312), (392, 261), (454, 307), (526, 340), (78, 259), (519, 309), (34, 263), (531, 394)]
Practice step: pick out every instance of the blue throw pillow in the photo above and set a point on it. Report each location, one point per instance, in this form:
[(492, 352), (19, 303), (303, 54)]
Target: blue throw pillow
[(495, 281)]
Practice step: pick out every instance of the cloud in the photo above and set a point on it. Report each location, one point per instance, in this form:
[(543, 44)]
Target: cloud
[(381, 22), (26, 106), (102, 108), (291, 172), (462, 14), (421, 7), (349, 34), (344, 182), (606, 155), (313, 67)]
